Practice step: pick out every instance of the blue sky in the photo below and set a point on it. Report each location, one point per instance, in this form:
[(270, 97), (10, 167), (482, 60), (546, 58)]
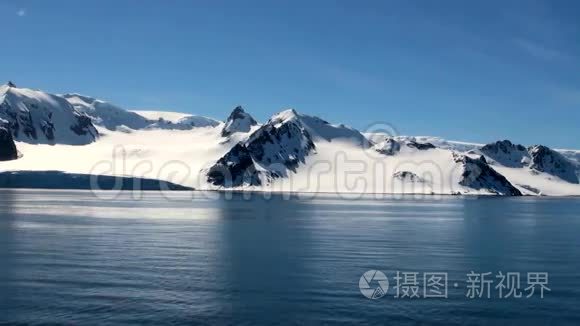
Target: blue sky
[(467, 70)]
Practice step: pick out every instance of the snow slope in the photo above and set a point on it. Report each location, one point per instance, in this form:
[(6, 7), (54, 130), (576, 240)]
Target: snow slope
[(277, 147), (106, 114), (173, 155), (177, 121), (155, 115), (112, 117)]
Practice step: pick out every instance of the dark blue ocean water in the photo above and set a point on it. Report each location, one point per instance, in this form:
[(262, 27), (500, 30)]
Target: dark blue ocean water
[(70, 258)]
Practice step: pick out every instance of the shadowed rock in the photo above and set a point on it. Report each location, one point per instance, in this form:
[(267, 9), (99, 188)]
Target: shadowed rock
[(407, 176), (271, 152), (544, 159), (477, 174), (420, 146), (506, 153), (8, 150)]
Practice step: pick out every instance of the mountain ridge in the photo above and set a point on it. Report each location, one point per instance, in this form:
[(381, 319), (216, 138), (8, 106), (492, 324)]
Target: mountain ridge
[(290, 147)]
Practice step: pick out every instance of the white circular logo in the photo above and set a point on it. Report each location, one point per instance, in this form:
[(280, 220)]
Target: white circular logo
[(366, 284)]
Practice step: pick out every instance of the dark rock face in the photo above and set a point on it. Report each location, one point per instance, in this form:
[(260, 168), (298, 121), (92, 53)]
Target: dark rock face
[(83, 126), (18, 122), (544, 159), (391, 147), (23, 126), (238, 121), (269, 153), (506, 153), (8, 150), (420, 146), (477, 174), (388, 147), (236, 168), (407, 176)]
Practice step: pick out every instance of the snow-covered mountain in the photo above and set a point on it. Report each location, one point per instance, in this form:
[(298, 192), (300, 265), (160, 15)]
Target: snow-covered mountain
[(477, 174), (106, 114), (238, 121), (544, 159), (290, 152), (321, 130), (273, 150), (40, 118), (112, 117), (176, 120), (507, 154), (537, 158), (187, 122)]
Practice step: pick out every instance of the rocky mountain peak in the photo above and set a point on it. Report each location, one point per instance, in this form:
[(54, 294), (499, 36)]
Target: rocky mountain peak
[(477, 174), (269, 153), (506, 153), (238, 121), (544, 159)]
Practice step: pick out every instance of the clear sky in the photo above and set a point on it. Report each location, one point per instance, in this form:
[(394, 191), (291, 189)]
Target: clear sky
[(466, 70)]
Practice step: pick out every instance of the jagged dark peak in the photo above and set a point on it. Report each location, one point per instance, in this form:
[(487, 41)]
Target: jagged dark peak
[(420, 146), (539, 149), (10, 84), (503, 145), (545, 159), (238, 110), (238, 121), (506, 153), (269, 153), (477, 174)]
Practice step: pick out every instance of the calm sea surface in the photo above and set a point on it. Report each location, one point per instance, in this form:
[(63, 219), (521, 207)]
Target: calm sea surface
[(71, 258)]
